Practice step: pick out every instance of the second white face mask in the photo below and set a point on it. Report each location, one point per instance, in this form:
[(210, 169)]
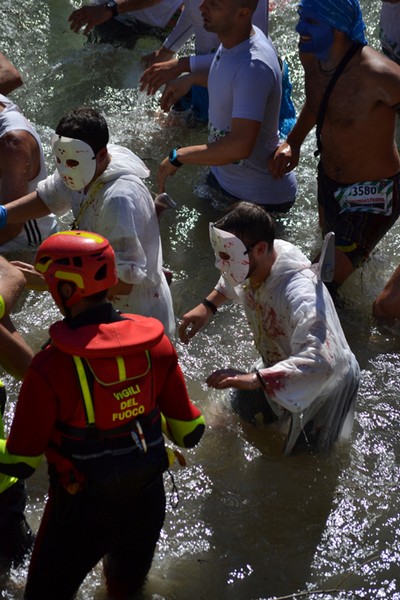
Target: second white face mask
[(75, 161), (231, 254)]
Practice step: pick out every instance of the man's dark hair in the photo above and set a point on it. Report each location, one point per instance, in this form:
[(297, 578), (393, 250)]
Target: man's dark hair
[(85, 124), (250, 223), (250, 4)]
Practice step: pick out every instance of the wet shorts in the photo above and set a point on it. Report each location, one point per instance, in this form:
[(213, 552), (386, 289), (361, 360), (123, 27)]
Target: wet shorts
[(359, 214), (213, 183)]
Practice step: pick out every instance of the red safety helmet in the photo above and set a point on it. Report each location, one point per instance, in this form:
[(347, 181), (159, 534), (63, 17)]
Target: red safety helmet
[(84, 258)]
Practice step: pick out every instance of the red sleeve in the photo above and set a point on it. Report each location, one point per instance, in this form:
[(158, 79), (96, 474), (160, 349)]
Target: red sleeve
[(34, 418), (171, 392)]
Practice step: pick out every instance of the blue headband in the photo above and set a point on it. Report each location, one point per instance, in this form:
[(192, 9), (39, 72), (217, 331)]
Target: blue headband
[(344, 15)]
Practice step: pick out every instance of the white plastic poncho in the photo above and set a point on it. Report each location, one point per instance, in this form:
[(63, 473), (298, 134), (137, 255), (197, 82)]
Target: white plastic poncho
[(119, 206), (310, 371), (389, 30)]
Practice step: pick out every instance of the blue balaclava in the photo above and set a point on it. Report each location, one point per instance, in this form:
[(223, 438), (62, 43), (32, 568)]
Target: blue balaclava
[(344, 15)]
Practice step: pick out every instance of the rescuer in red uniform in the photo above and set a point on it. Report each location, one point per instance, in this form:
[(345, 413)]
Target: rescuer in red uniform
[(95, 402)]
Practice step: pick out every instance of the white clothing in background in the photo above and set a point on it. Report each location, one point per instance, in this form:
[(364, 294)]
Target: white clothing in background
[(306, 357), (245, 82), (36, 230), (389, 31), (190, 23), (158, 15), (119, 206)]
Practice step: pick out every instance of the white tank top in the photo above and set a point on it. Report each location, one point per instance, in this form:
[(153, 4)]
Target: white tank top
[(36, 230)]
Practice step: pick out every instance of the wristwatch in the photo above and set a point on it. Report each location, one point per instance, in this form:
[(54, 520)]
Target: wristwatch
[(113, 6), (173, 158)]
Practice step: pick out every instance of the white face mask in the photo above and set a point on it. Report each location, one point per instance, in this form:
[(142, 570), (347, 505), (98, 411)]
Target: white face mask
[(231, 254), (75, 161)]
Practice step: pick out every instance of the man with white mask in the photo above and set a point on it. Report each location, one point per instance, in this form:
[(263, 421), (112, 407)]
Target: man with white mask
[(307, 378), (76, 161), (102, 184)]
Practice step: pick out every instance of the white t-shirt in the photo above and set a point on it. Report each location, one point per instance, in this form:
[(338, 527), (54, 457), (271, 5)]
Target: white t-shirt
[(35, 230), (244, 82), (390, 29), (190, 23), (158, 15)]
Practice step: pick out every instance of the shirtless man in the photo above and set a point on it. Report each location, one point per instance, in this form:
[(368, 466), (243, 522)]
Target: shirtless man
[(358, 182)]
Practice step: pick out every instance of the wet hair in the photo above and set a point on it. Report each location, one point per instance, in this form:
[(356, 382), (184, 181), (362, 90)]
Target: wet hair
[(251, 223), (85, 124)]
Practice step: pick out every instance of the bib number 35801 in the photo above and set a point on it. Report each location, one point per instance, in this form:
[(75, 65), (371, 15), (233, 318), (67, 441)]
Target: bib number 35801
[(367, 196)]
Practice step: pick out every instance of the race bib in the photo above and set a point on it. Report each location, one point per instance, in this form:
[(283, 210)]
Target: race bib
[(367, 196)]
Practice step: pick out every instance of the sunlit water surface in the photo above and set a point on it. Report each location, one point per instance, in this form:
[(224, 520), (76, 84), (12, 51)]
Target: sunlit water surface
[(250, 524)]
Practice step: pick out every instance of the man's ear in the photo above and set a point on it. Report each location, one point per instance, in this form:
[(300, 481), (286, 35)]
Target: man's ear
[(244, 13), (102, 153), (261, 248)]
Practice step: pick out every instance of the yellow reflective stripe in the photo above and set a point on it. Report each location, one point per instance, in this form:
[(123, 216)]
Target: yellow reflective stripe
[(1, 418), (87, 397), (67, 276), (85, 234), (177, 430), (347, 248), (6, 482), (2, 307), (86, 391), (42, 268), (12, 459), (2, 433), (122, 376), (121, 368)]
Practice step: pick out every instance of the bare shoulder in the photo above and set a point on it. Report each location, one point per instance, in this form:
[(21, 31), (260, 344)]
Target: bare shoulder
[(380, 75), (10, 78), (378, 65), (18, 140)]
